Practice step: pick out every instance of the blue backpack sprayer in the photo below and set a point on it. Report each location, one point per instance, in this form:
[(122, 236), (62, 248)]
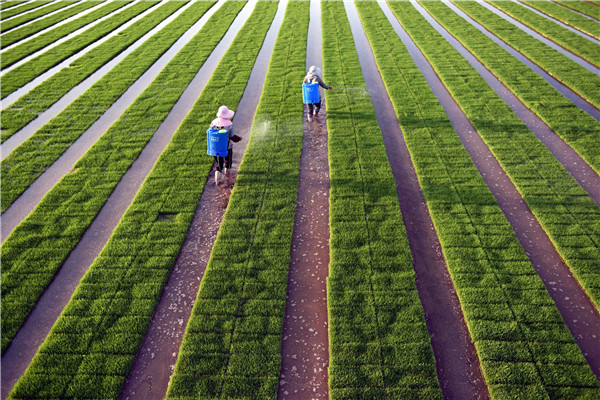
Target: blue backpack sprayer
[(217, 140), (310, 92)]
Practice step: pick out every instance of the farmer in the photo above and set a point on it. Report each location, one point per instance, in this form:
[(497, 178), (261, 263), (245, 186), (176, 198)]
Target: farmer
[(312, 76), (223, 121)]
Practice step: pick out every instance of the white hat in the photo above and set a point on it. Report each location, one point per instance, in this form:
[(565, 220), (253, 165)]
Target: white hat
[(225, 112), (314, 70)]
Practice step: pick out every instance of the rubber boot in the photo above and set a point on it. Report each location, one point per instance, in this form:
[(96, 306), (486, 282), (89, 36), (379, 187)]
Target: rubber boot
[(216, 178)]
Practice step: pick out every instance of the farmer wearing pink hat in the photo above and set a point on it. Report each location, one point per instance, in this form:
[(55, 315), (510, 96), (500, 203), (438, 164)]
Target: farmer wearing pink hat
[(223, 121)]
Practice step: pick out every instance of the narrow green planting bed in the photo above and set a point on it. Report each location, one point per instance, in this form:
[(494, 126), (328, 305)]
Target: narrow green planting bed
[(232, 343), (579, 79), (113, 305), (582, 7), (53, 229), (567, 39), (10, 24), (22, 8), (526, 350), (567, 16), (8, 4), (575, 126), (379, 343), (28, 71), (39, 99), (17, 53), (37, 153), (566, 212)]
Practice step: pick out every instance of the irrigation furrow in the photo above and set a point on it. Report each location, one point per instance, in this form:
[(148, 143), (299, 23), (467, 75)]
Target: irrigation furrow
[(18, 54), (58, 6), (98, 233), (305, 347), (456, 362), (39, 101), (548, 41), (232, 343), (25, 8), (54, 209), (565, 17), (74, 139), (561, 23), (582, 8), (577, 310), (585, 175), (150, 376)]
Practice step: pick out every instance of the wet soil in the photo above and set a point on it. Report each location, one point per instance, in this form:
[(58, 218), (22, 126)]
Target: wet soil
[(93, 78), (578, 100), (576, 308), (567, 53), (569, 158), (305, 345), (457, 363), (30, 198), (35, 329), (62, 39), (564, 24), (156, 358)]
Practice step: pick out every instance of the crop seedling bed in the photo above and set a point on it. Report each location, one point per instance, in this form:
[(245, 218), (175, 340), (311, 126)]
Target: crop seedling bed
[(505, 303), (567, 39), (132, 266), (232, 343), (74, 202), (552, 194), (18, 21), (22, 8), (39, 99), (567, 16), (582, 7), (5, 5), (25, 73), (22, 50)]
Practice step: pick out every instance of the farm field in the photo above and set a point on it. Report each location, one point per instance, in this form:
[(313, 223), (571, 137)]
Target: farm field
[(433, 233)]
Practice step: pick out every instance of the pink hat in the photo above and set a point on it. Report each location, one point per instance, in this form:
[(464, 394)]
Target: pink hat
[(225, 112)]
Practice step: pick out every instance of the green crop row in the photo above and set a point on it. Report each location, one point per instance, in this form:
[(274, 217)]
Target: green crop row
[(31, 159), (25, 73), (567, 16), (22, 8), (582, 7), (567, 39), (15, 22), (575, 126), (379, 343), (22, 50), (579, 79), (569, 216), (38, 100), (525, 349), (113, 305), (53, 229), (231, 347), (10, 3)]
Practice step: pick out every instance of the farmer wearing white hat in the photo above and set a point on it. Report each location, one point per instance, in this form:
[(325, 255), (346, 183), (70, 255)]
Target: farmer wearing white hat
[(223, 121), (313, 76)]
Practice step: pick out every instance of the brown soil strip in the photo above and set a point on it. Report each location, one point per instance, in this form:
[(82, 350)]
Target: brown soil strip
[(578, 100), (576, 308), (49, 306), (457, 363), (156, 357), (569, 158), (30, 198), (305, 345)]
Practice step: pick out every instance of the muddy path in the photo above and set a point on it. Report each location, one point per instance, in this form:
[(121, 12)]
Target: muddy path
[(581, 33), (305, 344), (49, 306), (555, 83), (62, 39), (457, 363), (569, 158), (156, 357), (47, 115), (577, 310), (30, 198)]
